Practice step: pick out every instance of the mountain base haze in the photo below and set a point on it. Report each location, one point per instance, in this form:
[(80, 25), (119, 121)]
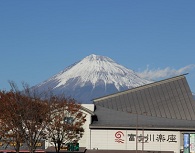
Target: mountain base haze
[(92, 77)]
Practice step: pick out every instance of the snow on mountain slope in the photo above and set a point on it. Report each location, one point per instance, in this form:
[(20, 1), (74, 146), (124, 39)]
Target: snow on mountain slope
[(92, 77), (193, 94)]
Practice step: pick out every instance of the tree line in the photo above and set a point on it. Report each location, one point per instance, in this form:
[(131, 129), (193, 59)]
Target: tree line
[(27, 118)]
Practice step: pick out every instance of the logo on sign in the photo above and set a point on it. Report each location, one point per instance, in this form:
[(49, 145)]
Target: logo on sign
[(119, 137)]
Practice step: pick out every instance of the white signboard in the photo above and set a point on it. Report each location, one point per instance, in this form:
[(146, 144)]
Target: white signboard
[(132, 140)]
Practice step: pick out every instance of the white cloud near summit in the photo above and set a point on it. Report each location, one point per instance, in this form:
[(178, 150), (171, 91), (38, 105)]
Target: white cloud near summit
[(157, 74)]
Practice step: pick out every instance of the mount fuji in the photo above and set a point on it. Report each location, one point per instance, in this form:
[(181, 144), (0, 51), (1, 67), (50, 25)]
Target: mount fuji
[(92, 77)]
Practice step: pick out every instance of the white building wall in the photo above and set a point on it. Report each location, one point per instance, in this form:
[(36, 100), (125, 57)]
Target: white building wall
[(85, 140), (126, 140)]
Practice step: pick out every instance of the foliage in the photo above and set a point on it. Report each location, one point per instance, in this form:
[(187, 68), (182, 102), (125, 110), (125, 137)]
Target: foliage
[(10, 119), (67, 121), (24, 118), (27, 118)]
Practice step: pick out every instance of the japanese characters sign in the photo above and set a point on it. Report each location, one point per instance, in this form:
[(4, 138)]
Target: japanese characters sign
[(145, 138), (136, 140), (152, 138)]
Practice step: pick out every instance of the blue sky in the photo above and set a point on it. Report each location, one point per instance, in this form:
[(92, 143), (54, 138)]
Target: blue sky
[(40, 38)]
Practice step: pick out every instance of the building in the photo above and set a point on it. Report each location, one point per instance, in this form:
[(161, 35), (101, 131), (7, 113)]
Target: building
[(155, 117)]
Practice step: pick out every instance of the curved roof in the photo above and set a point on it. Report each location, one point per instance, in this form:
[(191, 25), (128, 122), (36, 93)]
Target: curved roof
[(87, 110)]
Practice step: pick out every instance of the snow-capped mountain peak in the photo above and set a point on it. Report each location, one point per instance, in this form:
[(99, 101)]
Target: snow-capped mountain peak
[(94, 73), (94, 68)]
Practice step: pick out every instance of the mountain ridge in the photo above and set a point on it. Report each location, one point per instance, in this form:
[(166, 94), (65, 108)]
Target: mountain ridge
[(92, 77)]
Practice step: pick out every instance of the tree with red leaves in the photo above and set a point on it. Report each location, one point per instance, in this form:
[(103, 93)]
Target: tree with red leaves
[(24, 118), (10, 119), (66, 123)]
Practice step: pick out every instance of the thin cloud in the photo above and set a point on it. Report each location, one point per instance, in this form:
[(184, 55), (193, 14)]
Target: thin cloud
[(156, 74)]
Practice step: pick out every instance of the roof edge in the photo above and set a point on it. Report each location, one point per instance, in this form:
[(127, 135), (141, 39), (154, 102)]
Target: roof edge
[(141, 128), (140, 87)]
